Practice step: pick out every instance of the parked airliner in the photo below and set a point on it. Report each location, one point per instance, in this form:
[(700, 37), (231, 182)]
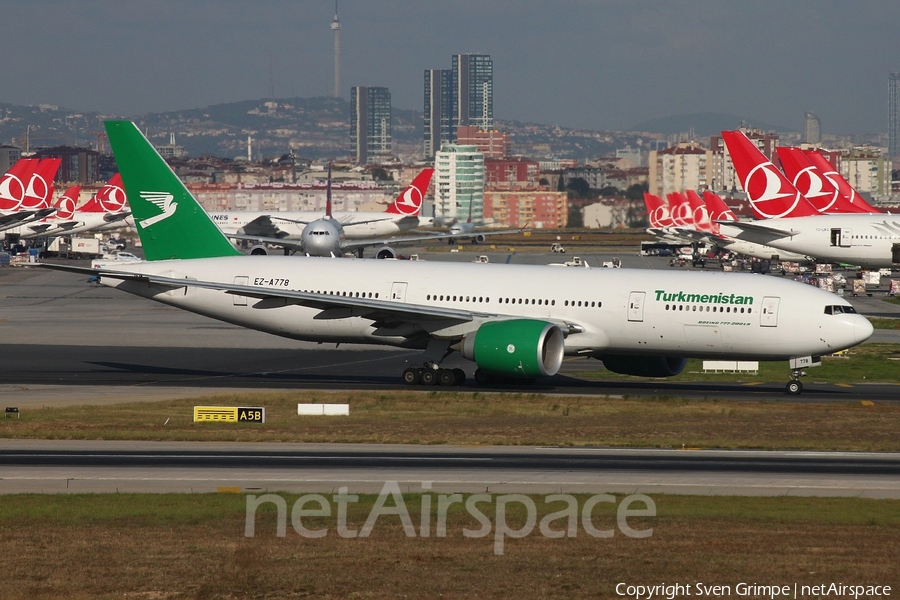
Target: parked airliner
[(867, 240)]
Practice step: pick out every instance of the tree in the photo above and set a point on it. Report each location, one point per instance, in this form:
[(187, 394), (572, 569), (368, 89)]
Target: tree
[(380, 174), (576, 218), (578, 187), (636, 191), (609, 190)]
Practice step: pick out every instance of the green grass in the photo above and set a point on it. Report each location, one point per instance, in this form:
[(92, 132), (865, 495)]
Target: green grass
[(884, 323), (869, 363), (447, 417)]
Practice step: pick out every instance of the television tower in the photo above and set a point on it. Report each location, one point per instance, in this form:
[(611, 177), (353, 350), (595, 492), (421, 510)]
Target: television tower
[(336, 28)]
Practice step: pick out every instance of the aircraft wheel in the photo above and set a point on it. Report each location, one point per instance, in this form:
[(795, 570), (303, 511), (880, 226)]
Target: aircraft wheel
[(481, 378), (411, 376), (460, 376), (446, 377), (428, 376), (794, 387)]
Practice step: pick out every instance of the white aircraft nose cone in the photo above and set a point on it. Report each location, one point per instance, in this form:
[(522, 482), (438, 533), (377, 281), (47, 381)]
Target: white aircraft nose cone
[(863, 330)]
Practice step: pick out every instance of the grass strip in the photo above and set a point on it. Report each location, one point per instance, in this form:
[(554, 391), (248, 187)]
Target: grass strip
[(193, 546), (444, 417)]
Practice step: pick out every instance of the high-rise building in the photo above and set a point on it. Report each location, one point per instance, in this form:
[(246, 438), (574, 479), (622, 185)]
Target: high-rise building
[(370, 124), (79, 165), (9, 155), (460, 97), (459, 183), (812, 129), (438, 109), (894, 115), (473, 87)]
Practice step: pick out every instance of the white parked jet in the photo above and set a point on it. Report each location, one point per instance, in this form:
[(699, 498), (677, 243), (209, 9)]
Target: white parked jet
[(510, 320), (867, 240)]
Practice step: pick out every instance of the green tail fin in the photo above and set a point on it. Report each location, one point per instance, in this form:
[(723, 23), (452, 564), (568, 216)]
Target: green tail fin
[(169, 221)]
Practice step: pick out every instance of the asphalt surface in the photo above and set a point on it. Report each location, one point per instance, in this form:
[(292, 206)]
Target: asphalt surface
[(56, 466), (65, 341), (58, 330)]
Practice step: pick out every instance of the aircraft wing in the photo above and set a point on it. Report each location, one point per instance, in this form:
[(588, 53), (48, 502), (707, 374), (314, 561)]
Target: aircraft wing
[(293, 244), (114, 217), (22, 217), (262, 226), (452, 322), (347, 222), (769, 233)]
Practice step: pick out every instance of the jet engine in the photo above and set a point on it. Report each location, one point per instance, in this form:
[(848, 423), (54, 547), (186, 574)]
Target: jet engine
[(259, 250), (385, 252), (644, 366), (517, 348)]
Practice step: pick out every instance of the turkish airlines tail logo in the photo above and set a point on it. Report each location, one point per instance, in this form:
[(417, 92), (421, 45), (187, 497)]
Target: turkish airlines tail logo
[(771, 194), (409, 202), (164, 201), (718, 210), (657, 211), (112, 195), (65, 206)]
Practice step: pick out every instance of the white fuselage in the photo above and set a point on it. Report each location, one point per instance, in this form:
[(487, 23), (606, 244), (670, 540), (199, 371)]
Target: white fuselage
[(675, 235), (625, 311), (867, 240), (356, 225)]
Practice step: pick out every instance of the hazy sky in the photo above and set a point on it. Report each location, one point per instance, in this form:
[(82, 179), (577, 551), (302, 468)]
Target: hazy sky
[(602, 64)]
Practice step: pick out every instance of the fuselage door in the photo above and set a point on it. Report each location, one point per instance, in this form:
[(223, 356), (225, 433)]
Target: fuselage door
[(398, 291), (636, 306), (768, 316), (240, 280), (841, 236)]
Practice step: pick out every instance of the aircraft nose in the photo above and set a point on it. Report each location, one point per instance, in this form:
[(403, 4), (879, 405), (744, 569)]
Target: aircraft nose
[(862, 330)]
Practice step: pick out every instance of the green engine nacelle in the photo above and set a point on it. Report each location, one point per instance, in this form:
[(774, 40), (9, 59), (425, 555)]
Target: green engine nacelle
[(517, 348)]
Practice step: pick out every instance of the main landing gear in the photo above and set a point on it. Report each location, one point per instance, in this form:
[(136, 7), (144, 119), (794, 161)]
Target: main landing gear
[(431, 373)]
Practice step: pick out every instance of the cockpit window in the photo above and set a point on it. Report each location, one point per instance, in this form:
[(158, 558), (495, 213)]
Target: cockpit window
[(839, 309)]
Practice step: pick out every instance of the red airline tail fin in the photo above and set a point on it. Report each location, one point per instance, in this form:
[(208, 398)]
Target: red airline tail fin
[(718, 210), (65, 205), (680, 209), (108, 199), (657, 211), (409, 202), (37, 192), (770, 193), (14, 182), (807, 178), (846, 190), (699, 212)]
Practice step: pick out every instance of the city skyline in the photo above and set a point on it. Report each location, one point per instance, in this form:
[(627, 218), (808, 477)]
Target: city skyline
[(603, 65)]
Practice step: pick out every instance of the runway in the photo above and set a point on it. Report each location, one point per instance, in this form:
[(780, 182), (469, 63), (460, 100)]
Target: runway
[(67, 466), (64, 341)]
